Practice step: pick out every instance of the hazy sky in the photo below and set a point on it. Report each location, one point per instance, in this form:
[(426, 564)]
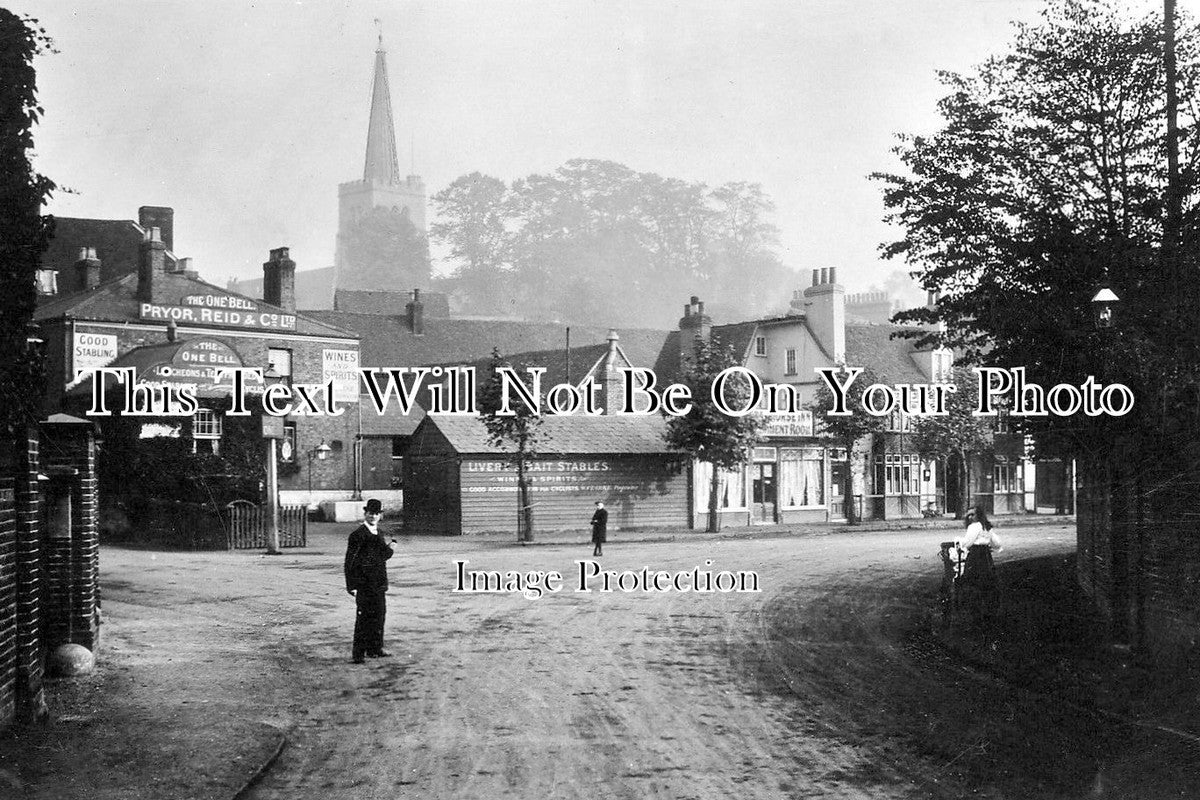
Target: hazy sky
[(244, 117)]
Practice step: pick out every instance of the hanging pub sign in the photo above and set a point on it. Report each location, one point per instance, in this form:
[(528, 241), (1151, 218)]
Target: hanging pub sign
[(230, 312)]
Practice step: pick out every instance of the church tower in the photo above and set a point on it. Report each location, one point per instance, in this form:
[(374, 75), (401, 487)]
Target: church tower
[(381, 187)]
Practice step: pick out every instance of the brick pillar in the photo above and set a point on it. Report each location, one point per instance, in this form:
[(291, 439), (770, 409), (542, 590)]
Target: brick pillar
[(71, 541), (21, 655)]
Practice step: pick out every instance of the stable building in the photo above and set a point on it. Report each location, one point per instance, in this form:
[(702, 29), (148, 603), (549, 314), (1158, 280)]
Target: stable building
[(458, 483)]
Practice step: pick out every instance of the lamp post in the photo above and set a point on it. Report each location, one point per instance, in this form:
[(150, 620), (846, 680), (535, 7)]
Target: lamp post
[(1103, 306), (320, 452), (275, 432)]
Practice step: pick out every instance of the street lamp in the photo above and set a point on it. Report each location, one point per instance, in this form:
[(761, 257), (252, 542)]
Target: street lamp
[(1103, 305), (320, 452)]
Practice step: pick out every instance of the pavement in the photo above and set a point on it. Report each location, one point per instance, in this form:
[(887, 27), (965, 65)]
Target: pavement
[(145, 723)]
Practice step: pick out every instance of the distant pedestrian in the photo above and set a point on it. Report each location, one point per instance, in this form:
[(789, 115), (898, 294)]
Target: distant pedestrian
[(599, 528), (977, 584), (367, 552)]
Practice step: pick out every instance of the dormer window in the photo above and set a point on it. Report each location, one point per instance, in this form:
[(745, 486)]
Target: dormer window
[(760, 345)]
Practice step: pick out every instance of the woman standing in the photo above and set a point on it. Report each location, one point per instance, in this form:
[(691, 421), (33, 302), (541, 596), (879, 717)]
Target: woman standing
[(977, 584)]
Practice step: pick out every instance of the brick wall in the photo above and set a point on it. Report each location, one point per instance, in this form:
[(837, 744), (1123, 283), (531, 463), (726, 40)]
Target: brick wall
[(8, 601)]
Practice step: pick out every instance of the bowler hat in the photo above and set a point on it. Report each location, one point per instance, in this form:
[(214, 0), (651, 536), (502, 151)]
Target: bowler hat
[(373, 507)]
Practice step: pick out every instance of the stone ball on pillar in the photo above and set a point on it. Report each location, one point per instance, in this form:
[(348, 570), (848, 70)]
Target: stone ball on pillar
[(69, 660)]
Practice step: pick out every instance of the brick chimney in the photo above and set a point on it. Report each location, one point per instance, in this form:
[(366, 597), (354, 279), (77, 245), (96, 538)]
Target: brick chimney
[(87, 270), (825, 310), (694, 324), (613, 383), (415, 310), (152, 268), (162, 218), (279, 280)]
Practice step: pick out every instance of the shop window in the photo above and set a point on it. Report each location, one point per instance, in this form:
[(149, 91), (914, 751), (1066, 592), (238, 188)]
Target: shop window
[(790, 368), (279, 363), (206, 428), (1006, 476), (801, 478), (897, 473), (731, 488), (760, 345)]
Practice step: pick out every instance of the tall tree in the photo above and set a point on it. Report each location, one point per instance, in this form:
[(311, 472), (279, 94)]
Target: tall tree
[(24, 232), (707, 433), (472, 222), (847, 430), (517, 433), (595, 241), (1045, 182)]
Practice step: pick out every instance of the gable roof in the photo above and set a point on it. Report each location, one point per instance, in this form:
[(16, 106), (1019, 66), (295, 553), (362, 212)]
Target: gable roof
[(117, 300), (565, 435), (872, 346)]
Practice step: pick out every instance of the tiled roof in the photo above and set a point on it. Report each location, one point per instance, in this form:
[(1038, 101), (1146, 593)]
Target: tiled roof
[(736, 336), (117, 243), (567, 435), (890, 359), (382, 301), (387, 341), (117, 301)]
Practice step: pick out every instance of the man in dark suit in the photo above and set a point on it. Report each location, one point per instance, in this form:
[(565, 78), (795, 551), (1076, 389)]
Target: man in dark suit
[(367, 552), (599, 528)]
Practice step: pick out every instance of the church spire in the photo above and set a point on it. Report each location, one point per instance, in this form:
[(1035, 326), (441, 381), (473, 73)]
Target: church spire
[(381, 164)]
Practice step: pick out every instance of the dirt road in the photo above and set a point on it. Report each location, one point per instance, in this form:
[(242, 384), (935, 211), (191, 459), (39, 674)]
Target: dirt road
[(621, 694), (813, 687)]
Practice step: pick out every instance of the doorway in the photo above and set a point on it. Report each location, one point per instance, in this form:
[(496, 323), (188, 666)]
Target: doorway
[(764, 493)]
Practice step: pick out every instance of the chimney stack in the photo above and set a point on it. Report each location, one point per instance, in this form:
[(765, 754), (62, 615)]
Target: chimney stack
[(87, 270), (825, 303), (162, 218), (694, 325), (152, 268), (416, 313), (613, 383), (279, 280)]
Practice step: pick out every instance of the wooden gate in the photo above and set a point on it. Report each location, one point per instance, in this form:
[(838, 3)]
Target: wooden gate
[(246, 526)]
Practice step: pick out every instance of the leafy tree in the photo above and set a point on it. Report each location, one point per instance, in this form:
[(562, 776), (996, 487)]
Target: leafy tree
[(707, 433), (387, 251), (472, 222), (518, 433), (595, 241), (847, 430), (24, 232), (1045, 182), (958, 435)]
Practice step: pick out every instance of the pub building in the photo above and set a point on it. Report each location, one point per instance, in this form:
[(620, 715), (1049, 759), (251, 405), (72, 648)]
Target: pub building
[(174, 328)]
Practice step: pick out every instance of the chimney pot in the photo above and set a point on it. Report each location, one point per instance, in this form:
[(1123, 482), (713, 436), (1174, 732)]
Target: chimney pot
[(152, 266), (87, 270), (816, 277), (416, 313)]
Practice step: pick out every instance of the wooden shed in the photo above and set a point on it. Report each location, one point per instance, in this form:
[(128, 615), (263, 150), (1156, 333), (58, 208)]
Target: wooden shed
[(456, 483)]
